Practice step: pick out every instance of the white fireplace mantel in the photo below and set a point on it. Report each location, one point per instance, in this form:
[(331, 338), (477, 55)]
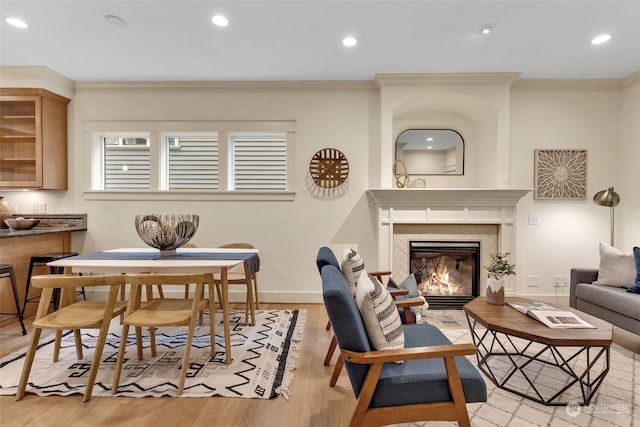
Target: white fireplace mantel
[(420, 197), (444, 206)]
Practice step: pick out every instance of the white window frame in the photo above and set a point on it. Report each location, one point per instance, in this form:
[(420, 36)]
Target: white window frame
[(155, 130)]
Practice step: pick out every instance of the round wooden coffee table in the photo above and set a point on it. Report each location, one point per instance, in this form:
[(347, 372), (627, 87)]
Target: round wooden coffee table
[(550, 366)]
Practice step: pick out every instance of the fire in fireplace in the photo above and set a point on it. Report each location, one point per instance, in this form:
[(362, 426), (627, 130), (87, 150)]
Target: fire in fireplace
[(447, 273)]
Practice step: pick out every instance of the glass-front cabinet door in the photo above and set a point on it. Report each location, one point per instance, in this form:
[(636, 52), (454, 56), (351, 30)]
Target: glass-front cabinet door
[(20, 142)]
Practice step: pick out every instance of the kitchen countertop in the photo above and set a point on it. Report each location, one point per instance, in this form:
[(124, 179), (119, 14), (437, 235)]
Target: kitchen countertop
[(49, 224)]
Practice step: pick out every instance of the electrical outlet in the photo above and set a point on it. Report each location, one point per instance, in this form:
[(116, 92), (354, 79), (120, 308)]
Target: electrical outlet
[(34, 208), (557, 281), (534, 219), (565, 281), (42, 208), (533, 281)]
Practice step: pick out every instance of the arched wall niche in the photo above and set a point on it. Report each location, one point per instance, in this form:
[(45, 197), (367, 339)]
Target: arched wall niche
[(473, 117)]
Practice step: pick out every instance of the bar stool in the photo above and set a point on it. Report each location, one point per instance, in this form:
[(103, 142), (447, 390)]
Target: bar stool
[(6, 271), (41, 260)]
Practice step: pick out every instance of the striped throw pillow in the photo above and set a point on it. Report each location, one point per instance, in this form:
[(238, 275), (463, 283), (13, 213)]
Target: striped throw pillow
[(352, 266), (379, 314)]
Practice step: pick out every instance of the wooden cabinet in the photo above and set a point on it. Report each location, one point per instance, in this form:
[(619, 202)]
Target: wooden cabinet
[(33, 139)]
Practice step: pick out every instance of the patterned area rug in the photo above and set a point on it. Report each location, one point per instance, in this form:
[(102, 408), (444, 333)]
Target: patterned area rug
[(262, 361), (616, 403)]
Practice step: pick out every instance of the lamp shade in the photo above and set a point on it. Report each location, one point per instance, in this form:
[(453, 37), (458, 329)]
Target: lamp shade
[(608, 198)]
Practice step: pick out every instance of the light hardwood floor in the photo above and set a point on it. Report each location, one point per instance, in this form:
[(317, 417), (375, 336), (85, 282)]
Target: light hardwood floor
[(312, 403)]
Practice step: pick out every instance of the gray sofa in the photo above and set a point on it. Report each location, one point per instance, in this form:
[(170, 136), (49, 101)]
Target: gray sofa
[(613, 304)]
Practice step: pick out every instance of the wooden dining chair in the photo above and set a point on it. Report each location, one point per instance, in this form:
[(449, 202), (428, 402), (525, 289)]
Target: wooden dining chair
[(166, 311), (73, 315), (241, 276)]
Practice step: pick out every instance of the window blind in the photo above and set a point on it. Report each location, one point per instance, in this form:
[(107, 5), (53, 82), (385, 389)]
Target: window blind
[(126, 168), (193, 163), (259, 163)]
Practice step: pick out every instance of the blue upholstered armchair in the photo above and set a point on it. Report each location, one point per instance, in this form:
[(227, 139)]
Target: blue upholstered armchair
[(327, 257), (433, 382)]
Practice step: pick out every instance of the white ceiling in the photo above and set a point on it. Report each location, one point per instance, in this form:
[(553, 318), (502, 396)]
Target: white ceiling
[(300, 39)]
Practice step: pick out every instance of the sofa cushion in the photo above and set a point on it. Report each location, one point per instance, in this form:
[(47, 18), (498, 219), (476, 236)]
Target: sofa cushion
[(617, 268), (615, 299), (636, 287), (351, 267), (379, 314), (421, 374)]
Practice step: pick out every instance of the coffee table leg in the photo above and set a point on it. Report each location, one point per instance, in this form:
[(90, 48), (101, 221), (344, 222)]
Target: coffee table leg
[(490, 345)]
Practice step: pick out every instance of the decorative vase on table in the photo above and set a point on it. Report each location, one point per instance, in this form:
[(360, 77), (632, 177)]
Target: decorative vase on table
[(495, 288), (498, 268), (5, 212)]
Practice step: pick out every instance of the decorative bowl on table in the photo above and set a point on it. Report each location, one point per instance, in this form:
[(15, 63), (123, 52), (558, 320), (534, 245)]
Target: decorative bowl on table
[(21, 223), (166, 232)]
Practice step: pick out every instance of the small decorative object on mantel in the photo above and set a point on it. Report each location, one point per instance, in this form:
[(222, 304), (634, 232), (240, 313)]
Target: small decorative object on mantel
[(166, 232), (329, 168), (497, 269), (402, 179), (560, 174)]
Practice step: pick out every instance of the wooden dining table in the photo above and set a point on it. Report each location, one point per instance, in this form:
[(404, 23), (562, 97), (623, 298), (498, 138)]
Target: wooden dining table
[(187, 260)]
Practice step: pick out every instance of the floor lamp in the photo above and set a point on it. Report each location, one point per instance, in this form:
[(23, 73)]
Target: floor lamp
[(610, 199)]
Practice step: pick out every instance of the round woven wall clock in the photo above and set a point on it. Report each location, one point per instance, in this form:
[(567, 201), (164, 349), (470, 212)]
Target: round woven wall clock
[(329, 168)]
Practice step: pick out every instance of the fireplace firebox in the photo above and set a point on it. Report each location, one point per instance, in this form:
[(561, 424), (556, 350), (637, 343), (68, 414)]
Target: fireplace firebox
[(447, 273)]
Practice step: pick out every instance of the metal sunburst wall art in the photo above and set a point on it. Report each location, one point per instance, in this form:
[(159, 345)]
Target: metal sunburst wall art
[(560, 174)]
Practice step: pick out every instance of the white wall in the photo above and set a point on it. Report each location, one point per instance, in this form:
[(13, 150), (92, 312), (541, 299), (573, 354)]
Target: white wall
[(569, 230), (289, 233), (628, 183)]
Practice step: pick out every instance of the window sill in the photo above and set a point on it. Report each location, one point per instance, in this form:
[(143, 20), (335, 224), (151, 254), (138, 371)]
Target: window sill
[(271, 196)]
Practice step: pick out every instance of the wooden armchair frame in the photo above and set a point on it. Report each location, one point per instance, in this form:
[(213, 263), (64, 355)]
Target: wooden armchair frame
[(404, 304), (453, 410)]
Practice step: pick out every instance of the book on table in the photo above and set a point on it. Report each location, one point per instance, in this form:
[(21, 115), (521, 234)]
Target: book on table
[(549, 315)]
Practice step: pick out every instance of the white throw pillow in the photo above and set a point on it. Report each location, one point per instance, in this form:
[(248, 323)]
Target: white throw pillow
[(379, 314), (351, 267), (616, 268)]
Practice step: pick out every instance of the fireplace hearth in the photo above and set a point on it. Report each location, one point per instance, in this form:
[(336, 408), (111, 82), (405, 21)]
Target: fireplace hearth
[(447, 272)]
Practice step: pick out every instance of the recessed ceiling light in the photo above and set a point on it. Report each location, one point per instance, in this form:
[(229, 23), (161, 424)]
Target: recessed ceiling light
[(429, 147), (430, 138), (19, 23), (602, 38), (115, 20), (220, 20), (349, 41), (487, 28)]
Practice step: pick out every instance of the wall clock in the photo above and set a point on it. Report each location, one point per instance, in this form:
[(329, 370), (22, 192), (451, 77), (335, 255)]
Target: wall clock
[(329, 168)]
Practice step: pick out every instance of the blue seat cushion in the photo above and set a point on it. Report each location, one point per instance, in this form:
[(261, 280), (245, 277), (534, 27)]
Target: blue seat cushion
[(420, 381)]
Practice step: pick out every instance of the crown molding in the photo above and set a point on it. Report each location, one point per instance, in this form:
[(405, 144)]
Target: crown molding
[(604, 84), (456, 79), (228, 86), (36, 77), (630, 80)]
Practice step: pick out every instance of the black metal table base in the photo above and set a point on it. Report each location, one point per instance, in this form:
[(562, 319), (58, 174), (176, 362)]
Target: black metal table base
[(576, 367)]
